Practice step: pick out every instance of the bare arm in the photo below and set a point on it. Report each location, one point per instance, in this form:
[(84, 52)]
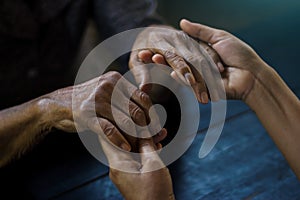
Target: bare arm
[(279, 111), (23, 125), (247, 77)]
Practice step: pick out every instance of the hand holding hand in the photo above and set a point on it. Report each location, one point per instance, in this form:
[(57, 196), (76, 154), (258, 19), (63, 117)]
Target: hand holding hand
[(241, 62), (239, 65), (178, 51), (143, 178), (95, 96)]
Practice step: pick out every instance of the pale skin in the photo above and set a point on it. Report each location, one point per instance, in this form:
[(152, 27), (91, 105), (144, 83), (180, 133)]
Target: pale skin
[(24, 125), (248, 78)]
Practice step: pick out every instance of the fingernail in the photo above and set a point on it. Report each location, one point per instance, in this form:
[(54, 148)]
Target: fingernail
[(125, 147), (190, 78), (204, 97)]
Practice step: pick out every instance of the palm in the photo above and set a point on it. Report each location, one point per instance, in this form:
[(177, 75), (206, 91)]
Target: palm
[(238, 82), (155, 184)]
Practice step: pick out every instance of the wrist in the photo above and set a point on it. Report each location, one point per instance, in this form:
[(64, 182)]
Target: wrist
[(268, 88), (53, 112)]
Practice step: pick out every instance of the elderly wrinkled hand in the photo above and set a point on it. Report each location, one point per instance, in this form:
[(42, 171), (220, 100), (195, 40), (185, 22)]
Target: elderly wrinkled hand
[(92, 106), (178, 51), (238, 62)]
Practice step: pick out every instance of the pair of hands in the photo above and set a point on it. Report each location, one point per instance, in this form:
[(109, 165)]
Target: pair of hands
[(142, 178), (236, 61)]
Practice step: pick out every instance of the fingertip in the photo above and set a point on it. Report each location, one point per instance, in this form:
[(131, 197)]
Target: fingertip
[(183, 21), (190, 79), (159, 59), (146, 145), (158, 146), (125, 146), (204, 97), (145, 56), (160, 136)]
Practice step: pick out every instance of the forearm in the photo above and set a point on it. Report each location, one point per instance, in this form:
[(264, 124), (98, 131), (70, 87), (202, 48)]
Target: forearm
[(24, 125), (279, 111), (21, 127)]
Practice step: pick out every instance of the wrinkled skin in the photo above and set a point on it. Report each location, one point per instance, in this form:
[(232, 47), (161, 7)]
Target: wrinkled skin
[(178, 52), (237, 61), (95, 95), (25, 124), (247, 77)]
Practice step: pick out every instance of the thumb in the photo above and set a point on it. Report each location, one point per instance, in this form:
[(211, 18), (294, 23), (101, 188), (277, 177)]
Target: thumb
[(149, 157), (202, 32)]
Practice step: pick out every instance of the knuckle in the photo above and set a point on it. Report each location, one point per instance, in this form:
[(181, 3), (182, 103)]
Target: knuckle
[(128, 124), (138, 115), (114, 74), (170, 55), (105, 85), (192, 58), (109, 129), (145, 98)]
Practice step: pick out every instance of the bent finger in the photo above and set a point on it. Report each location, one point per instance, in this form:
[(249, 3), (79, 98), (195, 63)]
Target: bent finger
[(103, 127)]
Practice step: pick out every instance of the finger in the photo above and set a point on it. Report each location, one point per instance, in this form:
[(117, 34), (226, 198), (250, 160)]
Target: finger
[(145, 103), (139, 113), (203, 68), (145, 56), (102, 126), (175, 77), (187, 75), (146, 145), (118, 160), (199, 88), (160, 136), (149, 157), (140, 72), (159, 59), (210, 70), (180, 67), (204, 33), (214, 55), (139, 110)]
